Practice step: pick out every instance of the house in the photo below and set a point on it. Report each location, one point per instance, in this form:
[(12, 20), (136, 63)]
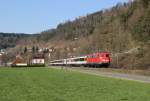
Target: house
[(2, 51), (18, 62), (38, 59)]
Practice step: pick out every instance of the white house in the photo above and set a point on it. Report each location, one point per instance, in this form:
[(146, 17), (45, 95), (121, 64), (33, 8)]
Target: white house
[(38, 59)]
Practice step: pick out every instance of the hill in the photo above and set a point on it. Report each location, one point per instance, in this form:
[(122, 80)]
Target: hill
[(9, 40), (122, 30)]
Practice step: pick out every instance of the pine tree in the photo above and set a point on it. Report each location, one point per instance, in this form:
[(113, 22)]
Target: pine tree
[(37, 48), (33, 49), (25, 49)]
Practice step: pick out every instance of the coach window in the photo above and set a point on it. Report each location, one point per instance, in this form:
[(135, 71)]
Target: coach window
[(76, 59), (81, 59)]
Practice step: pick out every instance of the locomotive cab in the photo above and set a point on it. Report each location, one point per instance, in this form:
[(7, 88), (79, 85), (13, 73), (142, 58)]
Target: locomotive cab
[(99, 59), (105, 60)]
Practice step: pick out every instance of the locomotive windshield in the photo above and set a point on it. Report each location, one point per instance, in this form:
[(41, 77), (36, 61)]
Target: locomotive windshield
[(107, 55), (79, 59)]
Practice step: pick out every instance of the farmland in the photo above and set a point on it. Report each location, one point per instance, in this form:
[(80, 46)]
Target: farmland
[(45, 84)]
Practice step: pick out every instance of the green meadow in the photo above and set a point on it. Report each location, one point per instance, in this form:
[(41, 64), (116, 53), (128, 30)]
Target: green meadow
[(45, 84)]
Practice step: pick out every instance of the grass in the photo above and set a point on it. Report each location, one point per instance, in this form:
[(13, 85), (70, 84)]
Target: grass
[(44, 84)]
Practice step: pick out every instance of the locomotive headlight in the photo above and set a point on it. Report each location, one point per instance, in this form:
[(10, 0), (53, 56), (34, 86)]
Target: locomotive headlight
[(105, 60)]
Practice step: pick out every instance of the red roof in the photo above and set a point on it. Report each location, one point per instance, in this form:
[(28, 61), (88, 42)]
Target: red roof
[(38, 56)]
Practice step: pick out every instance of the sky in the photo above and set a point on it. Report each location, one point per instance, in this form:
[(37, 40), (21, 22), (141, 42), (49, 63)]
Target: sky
[(34, 16)]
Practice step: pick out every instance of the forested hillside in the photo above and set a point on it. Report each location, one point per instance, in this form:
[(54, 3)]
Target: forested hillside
[(120, 29), (9, 40), (123, 30), (133, 18)]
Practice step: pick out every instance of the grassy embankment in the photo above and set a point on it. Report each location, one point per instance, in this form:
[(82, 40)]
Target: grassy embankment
[(43, 84)]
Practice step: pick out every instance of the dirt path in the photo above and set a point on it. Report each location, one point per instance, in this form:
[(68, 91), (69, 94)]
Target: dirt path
[(134, 77)]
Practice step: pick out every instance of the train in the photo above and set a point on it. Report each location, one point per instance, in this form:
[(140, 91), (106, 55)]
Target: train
[(101, 59)]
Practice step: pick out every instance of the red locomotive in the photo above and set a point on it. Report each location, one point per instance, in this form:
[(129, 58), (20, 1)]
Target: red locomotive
[(91, 60), (97, 59)]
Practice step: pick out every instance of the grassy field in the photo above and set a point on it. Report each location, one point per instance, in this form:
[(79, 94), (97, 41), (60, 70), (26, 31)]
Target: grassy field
[(44, 84)]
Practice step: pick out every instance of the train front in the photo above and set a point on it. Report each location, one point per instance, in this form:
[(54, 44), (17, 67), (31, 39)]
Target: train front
[(99, 59)]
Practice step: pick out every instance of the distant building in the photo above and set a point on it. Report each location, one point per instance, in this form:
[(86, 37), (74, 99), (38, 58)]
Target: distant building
[(38, 59), (2, 51), (19, 62)]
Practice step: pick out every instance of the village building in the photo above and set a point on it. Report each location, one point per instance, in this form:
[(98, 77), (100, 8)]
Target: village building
[(2, 51), (38, 59), (19, 62)]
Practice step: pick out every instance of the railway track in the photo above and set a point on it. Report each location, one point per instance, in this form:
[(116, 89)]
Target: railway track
[(109, 73)]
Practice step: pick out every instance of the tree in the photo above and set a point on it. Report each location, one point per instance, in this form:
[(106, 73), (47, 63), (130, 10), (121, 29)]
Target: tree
[(33, 49), (142, 28), (25, 49), (145, 3), (37, 48), (7, 58)]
